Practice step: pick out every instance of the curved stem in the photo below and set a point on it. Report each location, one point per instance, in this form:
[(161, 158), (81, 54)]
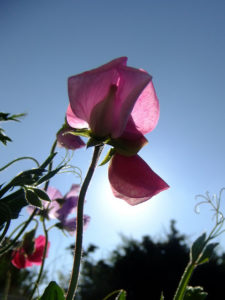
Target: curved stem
[(18, 159), (43, 260), (79, 232)]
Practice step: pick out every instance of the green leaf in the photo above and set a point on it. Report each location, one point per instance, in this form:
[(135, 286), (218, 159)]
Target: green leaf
[(15, 202), (108, 156), (195, 293), (207, 253), (122, 295), (53, 292), (32, 198), (7, 117), (3, 138), (41, 194), (48, 160), (197, 247), (49, 175), (28, 241)]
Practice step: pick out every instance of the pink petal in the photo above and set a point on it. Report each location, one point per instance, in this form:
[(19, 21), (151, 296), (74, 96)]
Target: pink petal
[(53, 193), (74, 191), (19, 259), (73, 120), (91, 87), (37, 256), (68, 140), (53, 206), (145, 113), (133, 180), (131, 84)]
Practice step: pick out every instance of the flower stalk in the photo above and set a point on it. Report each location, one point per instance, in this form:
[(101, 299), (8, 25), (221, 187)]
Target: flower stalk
[(79, 233)]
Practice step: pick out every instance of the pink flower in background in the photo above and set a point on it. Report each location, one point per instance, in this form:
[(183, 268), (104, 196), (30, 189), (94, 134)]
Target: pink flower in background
[(119, 103), (23, 260), (69, 141), (61, 207)]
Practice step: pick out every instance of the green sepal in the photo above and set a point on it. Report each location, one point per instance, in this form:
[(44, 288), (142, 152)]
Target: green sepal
[(80, 132), (207, 253), (197, 247), (28, 242), (108, 156), (92, 142), (32, 198), (194, 293), (53, 292), (127, 147)]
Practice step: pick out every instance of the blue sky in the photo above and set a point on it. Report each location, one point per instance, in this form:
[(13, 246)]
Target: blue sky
[(180, 43)]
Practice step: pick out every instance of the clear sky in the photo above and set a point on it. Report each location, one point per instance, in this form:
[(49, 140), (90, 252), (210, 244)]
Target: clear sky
[(180, 43)]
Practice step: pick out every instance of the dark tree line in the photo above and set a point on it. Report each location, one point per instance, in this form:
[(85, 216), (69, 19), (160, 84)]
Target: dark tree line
[(145, 269)]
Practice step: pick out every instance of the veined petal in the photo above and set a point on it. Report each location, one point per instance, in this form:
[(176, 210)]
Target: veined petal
[(131, 84), (145, 113), (89, 88), (74, 121), (133, 180)]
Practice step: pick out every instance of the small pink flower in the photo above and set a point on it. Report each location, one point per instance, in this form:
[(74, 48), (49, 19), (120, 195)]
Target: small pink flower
[(61, 207), (23, 260), (69, 141), (118, 104)]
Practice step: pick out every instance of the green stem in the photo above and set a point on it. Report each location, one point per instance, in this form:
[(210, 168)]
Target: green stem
[(18, 159), (43, 260), (184, 281), (79, 231), (51, 164)]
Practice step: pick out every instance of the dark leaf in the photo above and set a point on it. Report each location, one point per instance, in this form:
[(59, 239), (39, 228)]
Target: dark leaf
[(53, 292)]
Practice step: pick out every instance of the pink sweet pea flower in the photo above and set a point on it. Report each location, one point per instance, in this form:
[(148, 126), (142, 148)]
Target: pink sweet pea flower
[(61, 207), (69, 141), (23, 260), (119, 104)]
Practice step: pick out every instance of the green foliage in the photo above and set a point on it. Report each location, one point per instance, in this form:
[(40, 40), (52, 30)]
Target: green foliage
[(6, 117), (28, 192), (53, 292), (197, 247), (195, 293)]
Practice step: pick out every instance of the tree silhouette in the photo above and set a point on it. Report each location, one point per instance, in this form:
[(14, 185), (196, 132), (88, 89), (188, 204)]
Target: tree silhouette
[(145, 269)]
